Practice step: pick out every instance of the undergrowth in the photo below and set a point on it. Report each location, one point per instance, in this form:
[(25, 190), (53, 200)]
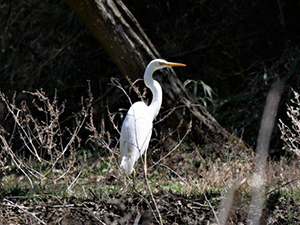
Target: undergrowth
[(41, 158)]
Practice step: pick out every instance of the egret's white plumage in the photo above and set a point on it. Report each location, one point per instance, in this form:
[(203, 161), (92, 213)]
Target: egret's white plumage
[(137, 127)]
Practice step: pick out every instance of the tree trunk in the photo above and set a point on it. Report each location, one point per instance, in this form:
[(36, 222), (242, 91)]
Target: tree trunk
[(123, 39)]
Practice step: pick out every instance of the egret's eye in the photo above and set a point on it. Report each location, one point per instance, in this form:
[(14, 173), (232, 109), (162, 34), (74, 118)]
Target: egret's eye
[(161, 63)]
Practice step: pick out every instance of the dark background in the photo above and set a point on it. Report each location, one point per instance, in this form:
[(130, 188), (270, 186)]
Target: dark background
[(238, 48)]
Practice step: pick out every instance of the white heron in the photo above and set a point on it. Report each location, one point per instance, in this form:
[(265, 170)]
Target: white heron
[(137, 126)]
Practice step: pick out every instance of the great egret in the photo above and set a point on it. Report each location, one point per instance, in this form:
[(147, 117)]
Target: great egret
[(137, 126)]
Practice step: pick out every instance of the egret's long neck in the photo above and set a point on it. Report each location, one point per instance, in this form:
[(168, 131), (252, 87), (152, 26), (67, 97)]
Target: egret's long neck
[(155, 88)]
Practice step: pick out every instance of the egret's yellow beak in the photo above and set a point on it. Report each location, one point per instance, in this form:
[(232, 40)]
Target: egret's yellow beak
[(174, 64)]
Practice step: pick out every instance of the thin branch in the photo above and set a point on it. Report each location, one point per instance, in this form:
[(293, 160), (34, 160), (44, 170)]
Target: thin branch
[(176, 147), (74, 181), (10, 203), (150, 192)]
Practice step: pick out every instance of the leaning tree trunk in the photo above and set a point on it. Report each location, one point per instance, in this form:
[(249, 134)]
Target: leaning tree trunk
[(123, 39)]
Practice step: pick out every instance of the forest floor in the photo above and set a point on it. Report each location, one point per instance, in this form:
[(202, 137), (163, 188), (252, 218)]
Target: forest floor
[(186, 189)]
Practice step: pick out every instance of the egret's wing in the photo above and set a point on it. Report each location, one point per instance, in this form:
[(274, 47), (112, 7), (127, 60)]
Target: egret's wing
[(135, 135)]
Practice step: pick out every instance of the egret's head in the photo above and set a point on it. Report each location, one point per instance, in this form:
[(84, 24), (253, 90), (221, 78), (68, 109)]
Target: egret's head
[(157, 64)]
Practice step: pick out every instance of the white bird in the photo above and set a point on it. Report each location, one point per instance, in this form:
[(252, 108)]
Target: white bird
[(137, 126)]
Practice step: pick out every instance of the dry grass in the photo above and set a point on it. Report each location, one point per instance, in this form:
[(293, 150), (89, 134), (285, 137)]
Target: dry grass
[(290, 135), (38, 146)]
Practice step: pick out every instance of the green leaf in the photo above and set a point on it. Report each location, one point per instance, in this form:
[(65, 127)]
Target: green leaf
[(185, 83)]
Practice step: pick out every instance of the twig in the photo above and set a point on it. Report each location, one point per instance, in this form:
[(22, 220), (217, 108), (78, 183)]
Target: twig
[(150, 192), (93, 214), (92, 192), (281, 186), (174, 173), (281, 17), (117, 84), (14, 158), (10, 108), (176, 147), (208, 202), (78, 128), (10, 203), (74, 181), (170, 111), (111, 118), (212, 208), (137, 219), (63, 175)]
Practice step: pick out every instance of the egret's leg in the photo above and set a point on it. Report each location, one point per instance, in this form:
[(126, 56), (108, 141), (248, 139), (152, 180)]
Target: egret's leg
[(133, 176)]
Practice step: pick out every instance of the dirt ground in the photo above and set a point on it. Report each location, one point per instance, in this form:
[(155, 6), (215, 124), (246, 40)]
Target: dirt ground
[(133, 208), (129, 209)]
